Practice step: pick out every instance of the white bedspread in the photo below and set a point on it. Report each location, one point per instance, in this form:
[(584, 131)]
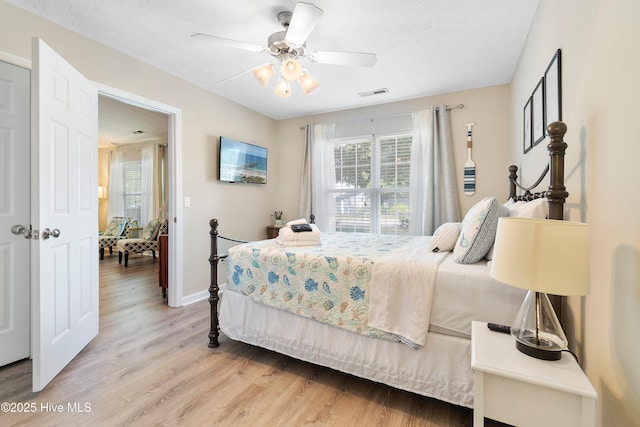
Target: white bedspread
[(402, 288)]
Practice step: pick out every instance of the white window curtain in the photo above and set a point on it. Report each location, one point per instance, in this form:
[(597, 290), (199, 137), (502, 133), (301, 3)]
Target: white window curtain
[(304, 204), (147, 208), (323, 176), (433, 197), (150, 187), (116, 186), (160, 192)]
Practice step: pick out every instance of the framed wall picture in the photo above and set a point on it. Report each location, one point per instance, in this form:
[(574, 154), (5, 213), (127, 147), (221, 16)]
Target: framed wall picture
[(537, 113), (526, 120), (553, 91)]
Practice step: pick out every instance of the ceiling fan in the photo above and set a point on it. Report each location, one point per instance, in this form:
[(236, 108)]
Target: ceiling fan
[(289, 45)]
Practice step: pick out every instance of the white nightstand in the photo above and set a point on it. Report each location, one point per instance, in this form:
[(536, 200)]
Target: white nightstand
[(514, 388)]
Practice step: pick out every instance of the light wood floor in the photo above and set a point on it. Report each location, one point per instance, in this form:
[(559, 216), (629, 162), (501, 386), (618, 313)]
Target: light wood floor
[(150, 365)]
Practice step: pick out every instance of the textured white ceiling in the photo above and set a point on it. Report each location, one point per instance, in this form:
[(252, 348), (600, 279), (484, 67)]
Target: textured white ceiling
[(424, 47), (120, 123)]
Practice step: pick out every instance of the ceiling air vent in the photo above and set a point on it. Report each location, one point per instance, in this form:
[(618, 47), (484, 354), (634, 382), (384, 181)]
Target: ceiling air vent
[(374, 92)]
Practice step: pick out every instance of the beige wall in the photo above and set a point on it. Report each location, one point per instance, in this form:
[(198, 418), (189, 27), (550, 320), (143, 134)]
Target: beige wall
[(488, 108), (601, 68)]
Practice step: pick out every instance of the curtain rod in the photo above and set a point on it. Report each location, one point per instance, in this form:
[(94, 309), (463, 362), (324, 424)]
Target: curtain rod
[(457, 107), (133, 146)]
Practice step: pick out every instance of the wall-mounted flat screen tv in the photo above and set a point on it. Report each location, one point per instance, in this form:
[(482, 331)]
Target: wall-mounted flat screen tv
[(241, 162)]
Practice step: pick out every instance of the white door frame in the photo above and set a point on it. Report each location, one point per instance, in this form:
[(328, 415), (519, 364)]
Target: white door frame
[(174, 145), (15, 60)]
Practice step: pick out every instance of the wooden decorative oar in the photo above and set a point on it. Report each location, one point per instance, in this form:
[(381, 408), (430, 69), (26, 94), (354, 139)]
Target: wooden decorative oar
[(469, 166)]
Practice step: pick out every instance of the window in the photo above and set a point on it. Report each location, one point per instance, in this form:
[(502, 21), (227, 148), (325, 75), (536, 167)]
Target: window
[(372, 184), (132, 180)]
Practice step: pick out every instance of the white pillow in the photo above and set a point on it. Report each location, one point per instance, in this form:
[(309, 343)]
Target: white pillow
[(509, 203), (478, 231), (489, 255), (538, 208), (445, 237)]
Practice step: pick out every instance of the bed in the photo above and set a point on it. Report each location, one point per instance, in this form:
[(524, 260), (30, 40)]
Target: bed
[(317, 303)]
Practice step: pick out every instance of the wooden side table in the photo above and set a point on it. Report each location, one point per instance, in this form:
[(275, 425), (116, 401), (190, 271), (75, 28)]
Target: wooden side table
[(273, 230), (514, 388), (163, 267), (134, 230)]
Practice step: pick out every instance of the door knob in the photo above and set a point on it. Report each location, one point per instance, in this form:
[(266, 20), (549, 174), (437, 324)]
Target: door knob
[(46, 233), (28, 233), (18, 229)]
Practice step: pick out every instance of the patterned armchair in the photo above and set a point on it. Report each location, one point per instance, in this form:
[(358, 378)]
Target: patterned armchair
[(148, 241), (116, 230)]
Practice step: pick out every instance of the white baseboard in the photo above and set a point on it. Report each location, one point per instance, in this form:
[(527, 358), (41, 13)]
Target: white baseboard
[(198, 296)]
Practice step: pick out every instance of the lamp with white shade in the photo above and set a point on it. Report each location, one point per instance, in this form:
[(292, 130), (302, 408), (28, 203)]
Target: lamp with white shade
[(543, 257)]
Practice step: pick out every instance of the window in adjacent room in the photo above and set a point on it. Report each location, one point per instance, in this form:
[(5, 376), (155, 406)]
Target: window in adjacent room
[(372, 184), (132, 184)]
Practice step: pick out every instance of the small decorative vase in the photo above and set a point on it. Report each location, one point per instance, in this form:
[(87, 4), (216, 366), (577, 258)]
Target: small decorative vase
[(280, 222)]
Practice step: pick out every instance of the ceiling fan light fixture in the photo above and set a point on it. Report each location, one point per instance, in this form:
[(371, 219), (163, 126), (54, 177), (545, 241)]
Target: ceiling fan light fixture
[(308, 83), (291, 69), (283, 88), (288, 46), (263, 73)]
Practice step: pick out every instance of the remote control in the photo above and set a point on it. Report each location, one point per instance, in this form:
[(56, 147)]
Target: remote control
[(499, 328), (297, 228)]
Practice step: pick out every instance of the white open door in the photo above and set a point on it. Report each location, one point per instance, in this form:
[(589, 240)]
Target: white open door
[(14, 213), (64, 199)]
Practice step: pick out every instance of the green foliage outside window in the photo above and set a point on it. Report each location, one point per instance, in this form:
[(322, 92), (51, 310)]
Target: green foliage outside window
[(372, 184)]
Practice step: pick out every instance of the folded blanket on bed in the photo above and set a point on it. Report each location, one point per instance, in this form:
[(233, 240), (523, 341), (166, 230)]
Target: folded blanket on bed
[(287, 237), (401, 294)]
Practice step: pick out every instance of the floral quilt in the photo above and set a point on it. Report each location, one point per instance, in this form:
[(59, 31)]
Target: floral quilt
[(328, 283)]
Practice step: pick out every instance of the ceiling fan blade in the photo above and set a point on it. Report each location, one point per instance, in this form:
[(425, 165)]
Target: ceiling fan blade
[(304, 19), (236, 75), (228, 42), (359, 59)]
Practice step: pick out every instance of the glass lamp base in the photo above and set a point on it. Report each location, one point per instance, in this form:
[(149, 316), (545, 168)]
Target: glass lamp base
[(545, 350), (537, 330)]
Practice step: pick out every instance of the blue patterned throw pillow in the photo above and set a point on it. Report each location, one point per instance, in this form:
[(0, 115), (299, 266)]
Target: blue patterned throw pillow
[(151, 230), (478, 231), (115, 227)]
